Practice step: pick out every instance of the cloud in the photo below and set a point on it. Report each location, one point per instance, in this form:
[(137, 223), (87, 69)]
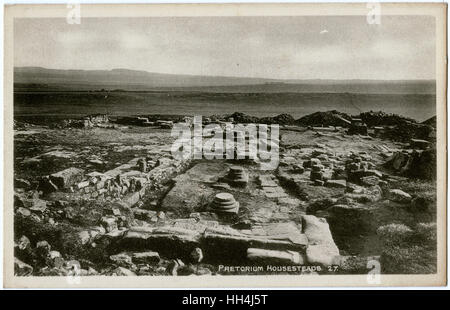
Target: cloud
[(323, 31)]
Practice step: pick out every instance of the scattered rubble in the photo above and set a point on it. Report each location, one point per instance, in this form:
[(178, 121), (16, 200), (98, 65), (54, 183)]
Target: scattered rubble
[(143, 212), (330, 118)]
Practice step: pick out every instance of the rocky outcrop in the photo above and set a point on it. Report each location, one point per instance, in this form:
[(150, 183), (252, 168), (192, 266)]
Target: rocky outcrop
[(329, 118), (281, 119), (383, 119)]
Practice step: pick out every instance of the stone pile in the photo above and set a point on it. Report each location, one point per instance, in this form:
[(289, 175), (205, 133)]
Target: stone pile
[(127, 182), (361, 170), (322, 166), (316, 165), (317, 174)]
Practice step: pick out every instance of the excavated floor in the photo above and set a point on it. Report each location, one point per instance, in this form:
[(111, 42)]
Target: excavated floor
[(284, 217)]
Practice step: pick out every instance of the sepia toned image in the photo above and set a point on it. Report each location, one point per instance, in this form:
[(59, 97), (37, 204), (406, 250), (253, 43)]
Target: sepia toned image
[(238, 145)]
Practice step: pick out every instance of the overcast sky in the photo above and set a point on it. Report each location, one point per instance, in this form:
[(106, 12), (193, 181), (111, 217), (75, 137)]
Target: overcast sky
[(400, 47)]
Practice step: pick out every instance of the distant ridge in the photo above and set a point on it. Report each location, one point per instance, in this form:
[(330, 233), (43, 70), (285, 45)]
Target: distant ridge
[(137, 80)]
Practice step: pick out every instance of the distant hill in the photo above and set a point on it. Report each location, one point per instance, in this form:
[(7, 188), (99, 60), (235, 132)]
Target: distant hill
[(41, 79)]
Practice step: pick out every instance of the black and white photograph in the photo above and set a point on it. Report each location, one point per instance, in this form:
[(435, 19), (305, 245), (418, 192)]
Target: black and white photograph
[(301, 144)]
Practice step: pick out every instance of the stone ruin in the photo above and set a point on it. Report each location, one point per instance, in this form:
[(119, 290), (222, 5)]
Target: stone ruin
[(268, 235), (224, 203), (237, 176), (127, 182), (419, 164), (96, 120), (357, 126)]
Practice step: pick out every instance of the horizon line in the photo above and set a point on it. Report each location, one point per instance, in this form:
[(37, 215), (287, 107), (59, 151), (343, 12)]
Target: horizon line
[(226, 76)]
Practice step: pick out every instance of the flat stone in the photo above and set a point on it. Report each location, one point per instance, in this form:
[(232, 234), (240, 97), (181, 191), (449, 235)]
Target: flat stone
[(169, 241), (400, 196), (236, 169), (319, 182), (149, 257), (224, 197), (321, 248), (276, 189), (38, 206), (219, 241), (83, 184), (273, 257), (221, 186), (370, 180), (418, 143), (277, 194), (336, 183), (287, 201), (322, 254), (373, 173), (282, 229), (23, 212), (190, 224), (369, 194), (121, 271), (67, 177), (131, 199), (258, 231)]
